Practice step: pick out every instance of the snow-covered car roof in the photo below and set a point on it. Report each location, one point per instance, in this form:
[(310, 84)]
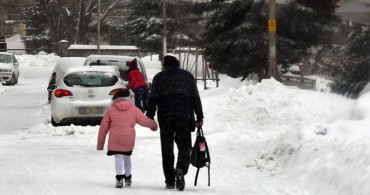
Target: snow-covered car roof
[(69, 60), (108, 69)]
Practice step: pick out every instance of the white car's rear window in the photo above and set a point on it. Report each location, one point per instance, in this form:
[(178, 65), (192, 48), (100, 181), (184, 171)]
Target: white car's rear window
[(5, 58), (90, 79), (122, 65)]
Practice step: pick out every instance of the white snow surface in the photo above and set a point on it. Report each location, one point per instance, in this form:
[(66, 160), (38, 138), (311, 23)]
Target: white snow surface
[(264, 138)]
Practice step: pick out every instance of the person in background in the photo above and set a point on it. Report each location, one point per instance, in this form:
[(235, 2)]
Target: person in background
[(138, 85), (175, 94), (120, 119)]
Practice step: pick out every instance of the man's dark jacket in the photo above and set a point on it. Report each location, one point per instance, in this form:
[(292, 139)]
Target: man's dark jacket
[(175, 94)]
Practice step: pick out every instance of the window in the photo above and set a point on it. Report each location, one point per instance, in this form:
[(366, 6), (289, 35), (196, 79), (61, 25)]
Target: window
[(90, 79), (5, 58)]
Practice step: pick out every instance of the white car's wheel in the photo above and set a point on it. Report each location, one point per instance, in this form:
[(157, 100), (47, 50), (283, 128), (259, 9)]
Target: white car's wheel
[(55, 124), (16, 80), (12, 81)]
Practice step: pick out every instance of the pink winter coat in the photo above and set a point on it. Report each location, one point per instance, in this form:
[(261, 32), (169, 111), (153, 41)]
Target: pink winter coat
[(120, 119)]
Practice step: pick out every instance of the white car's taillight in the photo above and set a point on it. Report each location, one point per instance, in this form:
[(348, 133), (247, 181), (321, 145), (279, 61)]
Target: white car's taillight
[(62, 92)]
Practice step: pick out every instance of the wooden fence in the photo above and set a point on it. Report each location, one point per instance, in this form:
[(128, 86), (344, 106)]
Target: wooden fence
[(299, 81)]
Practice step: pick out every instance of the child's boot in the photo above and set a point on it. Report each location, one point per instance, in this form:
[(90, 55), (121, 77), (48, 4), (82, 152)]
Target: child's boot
[(119, 181), (128, 180)]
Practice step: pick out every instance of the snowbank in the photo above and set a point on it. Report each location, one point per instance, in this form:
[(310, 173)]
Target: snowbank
[(319, 139), (41, 60), (328, 147)]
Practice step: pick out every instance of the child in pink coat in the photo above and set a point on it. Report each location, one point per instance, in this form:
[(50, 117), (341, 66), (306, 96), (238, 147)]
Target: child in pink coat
[(120, 119)]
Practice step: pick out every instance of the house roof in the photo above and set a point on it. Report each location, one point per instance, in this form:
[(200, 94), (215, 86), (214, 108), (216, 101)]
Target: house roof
[(103, 47)]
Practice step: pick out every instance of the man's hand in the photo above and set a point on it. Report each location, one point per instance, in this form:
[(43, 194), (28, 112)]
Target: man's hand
[(199, 123)]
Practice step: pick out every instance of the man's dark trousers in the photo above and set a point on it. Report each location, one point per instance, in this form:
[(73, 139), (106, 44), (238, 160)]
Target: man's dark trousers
[(178, 131)]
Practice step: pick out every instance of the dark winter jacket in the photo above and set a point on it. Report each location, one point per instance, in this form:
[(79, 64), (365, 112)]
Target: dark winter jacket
[(175, 94)]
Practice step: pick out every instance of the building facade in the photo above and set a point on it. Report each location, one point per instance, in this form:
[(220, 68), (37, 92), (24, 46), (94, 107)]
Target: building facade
[(11, 17)]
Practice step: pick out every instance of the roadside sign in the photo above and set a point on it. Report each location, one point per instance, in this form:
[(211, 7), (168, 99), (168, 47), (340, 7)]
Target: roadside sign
[(272, 25)]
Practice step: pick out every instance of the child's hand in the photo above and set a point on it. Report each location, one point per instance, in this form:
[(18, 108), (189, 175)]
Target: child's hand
[(154, 128)]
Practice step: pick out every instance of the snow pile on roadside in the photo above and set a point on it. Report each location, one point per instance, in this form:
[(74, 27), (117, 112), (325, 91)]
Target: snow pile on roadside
[(66, 134), (41, 60), (357, 127), (329, 157), (321, 139), (270, 106)]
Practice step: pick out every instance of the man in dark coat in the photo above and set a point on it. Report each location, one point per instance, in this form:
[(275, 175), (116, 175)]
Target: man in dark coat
[(175, 94)]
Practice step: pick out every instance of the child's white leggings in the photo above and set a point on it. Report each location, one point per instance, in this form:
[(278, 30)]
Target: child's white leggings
[(123, 160)]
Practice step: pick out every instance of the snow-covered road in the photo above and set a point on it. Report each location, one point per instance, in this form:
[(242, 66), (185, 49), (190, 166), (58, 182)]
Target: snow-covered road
[(264, 139), (22, 104)]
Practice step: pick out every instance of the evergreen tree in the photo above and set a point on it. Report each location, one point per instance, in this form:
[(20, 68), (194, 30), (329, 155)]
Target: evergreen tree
[(37, 31), (303, 24), (144, 26), (236, 41), (356, 76)]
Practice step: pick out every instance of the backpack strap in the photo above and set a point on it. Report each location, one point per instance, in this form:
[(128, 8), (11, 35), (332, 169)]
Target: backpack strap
[(196, 177), (209, 175), (200, 132)]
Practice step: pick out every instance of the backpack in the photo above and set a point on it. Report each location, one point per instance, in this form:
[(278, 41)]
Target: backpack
[(199, 156)]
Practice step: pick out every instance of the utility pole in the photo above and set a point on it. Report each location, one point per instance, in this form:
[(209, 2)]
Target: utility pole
[(164, 14), (98, 45), (272, 39)]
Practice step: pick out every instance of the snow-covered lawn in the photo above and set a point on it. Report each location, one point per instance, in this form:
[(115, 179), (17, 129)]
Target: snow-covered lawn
[(264, 139)]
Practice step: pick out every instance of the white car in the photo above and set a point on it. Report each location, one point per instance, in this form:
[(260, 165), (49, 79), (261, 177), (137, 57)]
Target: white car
[(9, 69), (120, 61), (83, 94), (59, 70)]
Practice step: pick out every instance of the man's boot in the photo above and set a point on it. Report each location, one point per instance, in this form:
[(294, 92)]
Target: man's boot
[(180, 180)]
